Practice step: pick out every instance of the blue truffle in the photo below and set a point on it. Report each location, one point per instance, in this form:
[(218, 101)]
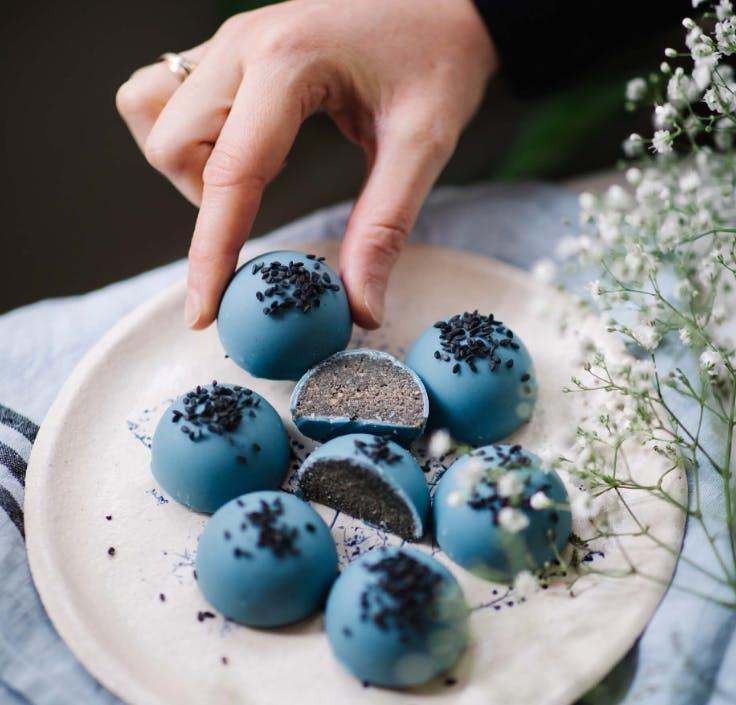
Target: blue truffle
[(478, 375), (370, 478), (282, 313), (266, 559), (396, 617), (216, 442), (360, 391), (496, 487)]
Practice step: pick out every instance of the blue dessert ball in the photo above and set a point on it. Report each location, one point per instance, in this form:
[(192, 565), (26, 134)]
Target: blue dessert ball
[(396, 617), (478, 375), (498, 512), (266, 559), (370, 478), (282, 313), (216, 442)]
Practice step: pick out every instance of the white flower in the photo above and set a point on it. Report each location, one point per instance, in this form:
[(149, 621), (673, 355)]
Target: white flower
[(724, 9), (618, 198), (470, 473), (690, 180), (512, 520), (548, 456), (544, 270), (647, 336), (633, 175), (712, 363), (582, 505), (595, 289), (702, 75), (664, 115), (587, 201), (439, 444), (726, 35), (723, 134), (670, 53), (455, 498), (685, 336), (539, 500), (525, 584), (662, 141), (680, 88), (633, 145), (509, 485), (636, 89)]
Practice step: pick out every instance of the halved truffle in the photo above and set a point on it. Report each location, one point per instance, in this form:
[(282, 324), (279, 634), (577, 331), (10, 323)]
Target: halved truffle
[(366, 391), (369, 478)]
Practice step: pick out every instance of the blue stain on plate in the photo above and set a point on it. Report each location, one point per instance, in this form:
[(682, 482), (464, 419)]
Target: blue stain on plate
[(160, 499)]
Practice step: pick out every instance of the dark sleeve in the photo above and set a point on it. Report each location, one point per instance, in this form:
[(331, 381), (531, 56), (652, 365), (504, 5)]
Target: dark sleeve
[(544, 43)]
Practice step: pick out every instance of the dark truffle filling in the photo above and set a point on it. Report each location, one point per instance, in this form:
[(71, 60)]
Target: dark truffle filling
[(358, 492), (362, 387)]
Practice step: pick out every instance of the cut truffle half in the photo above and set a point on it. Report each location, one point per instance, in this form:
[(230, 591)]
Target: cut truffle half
[(370, 478), (360, 391)]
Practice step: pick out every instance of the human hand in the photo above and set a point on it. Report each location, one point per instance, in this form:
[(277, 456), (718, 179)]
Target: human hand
[(401, 79)]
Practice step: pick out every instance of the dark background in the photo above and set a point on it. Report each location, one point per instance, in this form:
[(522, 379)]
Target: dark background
[(81, 208)]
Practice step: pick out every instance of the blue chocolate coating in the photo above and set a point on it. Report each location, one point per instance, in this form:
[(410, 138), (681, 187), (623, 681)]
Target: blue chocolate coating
[(470, 534), (284, 344), (211, 468), (403, 475), (478, 407), (323, 428), (406, 634), (266, 559)]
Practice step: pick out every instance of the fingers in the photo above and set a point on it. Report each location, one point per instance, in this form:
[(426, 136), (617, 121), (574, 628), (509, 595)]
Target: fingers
[(408, 160), (181, 140), (143, 96), (252, 146)]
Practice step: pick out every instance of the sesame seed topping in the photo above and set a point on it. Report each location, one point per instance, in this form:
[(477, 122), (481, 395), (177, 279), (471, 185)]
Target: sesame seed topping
[(294, 284), (471, 337), (402, 597), (377, 450), (217, 409)]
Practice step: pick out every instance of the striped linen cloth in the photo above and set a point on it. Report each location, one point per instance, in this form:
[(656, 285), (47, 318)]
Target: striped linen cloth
[(687, 655)]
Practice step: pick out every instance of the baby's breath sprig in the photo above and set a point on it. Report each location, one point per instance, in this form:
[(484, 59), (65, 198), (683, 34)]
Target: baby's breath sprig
[(662, 247)]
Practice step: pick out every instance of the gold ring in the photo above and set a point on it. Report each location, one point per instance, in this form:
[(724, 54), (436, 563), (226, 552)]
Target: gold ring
[(178, 64)]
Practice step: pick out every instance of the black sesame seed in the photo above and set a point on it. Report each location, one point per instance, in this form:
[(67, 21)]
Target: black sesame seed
[(109, 517), (111, 551), (162, 597), (377, 450), (525, 377), (509, 363), (311, 528)]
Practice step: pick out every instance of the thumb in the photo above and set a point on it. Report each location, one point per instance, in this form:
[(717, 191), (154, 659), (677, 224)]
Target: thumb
[(407, 163)]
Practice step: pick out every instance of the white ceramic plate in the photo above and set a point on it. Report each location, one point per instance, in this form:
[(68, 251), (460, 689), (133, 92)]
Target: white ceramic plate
[(91, 462)]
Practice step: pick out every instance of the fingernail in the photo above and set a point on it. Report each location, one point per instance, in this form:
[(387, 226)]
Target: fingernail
[(192, 308), (373, 298)]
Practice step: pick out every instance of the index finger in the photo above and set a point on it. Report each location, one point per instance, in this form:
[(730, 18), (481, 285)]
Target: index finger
[(250, 150)]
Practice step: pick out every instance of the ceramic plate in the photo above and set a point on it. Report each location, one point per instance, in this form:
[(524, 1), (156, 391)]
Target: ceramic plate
[(136, 619)]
